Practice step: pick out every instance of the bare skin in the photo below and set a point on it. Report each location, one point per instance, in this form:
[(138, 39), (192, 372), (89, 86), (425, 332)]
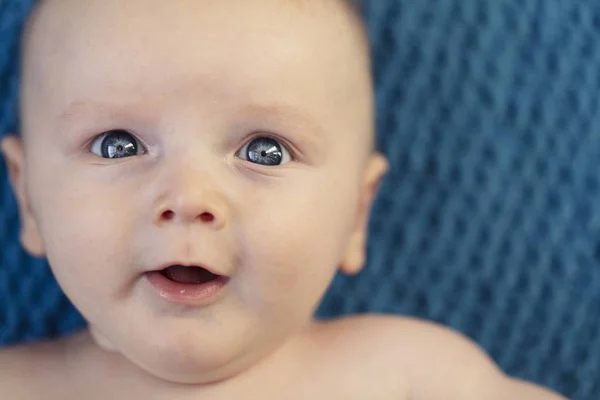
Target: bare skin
[(190, 87)]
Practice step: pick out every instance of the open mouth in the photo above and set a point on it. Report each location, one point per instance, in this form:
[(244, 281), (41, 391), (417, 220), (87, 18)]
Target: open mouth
[(188, 275), (188, 285)]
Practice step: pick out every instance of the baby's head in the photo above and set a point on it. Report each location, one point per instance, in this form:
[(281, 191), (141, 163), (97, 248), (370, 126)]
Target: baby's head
[(234, 136)]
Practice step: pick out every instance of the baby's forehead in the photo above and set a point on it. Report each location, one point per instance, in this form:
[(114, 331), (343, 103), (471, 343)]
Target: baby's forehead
[(60, 15), (74, 45)]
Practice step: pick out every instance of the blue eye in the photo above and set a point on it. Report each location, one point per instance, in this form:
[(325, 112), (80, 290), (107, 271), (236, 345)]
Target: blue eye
[(116, 144), (265, 151)]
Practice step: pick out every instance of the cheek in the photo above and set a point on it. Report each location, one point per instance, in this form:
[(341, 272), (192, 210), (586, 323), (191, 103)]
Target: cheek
[(84, 233), (295, 238)]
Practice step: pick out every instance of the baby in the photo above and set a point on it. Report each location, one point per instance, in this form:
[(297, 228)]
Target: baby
[(195, 172)]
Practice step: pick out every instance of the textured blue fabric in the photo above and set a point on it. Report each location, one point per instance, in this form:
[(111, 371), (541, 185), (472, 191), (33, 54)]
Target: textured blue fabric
[(489, 220)]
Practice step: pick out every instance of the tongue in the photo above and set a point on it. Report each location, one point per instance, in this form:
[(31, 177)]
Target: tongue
[(188, 275)]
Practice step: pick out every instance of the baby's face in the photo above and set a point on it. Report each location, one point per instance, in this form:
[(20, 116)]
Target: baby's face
[(233, 136)]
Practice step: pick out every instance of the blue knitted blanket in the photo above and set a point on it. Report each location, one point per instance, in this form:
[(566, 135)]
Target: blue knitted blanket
[(489, 221)]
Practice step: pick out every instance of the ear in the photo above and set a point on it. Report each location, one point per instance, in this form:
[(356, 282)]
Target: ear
[(355, 255), (14, 156)]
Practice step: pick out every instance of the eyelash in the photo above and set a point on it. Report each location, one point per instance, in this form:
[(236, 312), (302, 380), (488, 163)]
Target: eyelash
[(284, 143)]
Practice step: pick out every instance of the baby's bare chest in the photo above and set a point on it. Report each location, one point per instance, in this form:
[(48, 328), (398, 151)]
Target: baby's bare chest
[(316, 382), (321, 390), (328, 367)]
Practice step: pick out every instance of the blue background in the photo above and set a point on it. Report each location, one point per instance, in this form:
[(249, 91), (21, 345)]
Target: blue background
[(489, 220)]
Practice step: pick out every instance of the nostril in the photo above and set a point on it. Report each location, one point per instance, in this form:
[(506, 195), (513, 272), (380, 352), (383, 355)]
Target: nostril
[(204, 217), (168, 215), (207, 217)]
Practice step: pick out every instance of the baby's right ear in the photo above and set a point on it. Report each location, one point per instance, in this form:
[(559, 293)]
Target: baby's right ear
[(14, 157)]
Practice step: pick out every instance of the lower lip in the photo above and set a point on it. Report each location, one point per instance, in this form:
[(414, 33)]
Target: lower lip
[(186, 294)]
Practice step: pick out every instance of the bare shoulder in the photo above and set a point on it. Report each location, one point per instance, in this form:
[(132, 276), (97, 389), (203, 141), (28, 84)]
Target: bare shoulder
[(28, 371), (23, 366), (436, 361), (344, 358)]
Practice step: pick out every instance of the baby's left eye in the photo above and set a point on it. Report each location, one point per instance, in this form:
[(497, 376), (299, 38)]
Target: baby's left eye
[(264, 151)]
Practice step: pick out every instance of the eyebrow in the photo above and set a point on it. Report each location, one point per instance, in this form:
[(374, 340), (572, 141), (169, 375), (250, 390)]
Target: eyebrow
[(75, 108), (82, 108), (287, 115)]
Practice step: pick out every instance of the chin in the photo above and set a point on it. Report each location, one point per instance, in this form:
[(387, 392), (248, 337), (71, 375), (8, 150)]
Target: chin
[(186, 357), (183, 361), (175, 371)]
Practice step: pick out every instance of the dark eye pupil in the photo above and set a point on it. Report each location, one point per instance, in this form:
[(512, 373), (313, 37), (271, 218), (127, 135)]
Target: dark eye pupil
[(119, 144), (265, 151)]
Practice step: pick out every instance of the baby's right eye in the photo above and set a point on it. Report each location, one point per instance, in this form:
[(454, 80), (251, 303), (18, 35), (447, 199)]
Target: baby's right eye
[(116, 144)]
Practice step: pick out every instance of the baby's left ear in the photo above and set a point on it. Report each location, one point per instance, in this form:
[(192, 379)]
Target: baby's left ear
[(355, 255)]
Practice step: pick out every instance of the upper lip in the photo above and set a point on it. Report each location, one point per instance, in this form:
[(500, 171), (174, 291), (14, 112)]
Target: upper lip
[(185, 264)]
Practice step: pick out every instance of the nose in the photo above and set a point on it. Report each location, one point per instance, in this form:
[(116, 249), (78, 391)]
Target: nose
[(191, 197)]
